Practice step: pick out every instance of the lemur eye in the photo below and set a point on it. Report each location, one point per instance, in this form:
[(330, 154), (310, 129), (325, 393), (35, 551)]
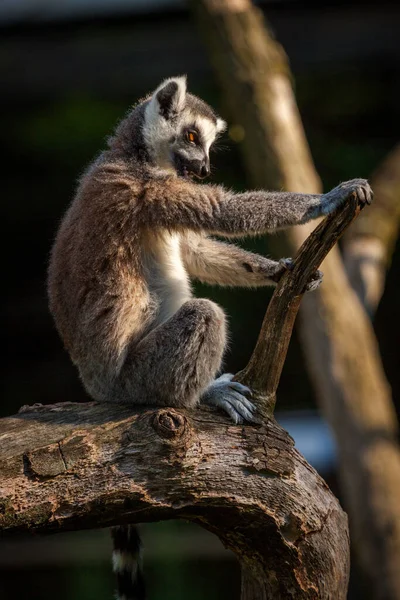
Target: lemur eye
[(192, 137)]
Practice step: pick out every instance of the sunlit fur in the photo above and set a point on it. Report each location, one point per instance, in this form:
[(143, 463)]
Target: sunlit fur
[(163, 132)]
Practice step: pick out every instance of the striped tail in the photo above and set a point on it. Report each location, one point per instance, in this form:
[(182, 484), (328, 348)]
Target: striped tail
[(127, 563)]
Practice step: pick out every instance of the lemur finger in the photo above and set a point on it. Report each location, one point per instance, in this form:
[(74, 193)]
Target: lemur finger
[(316, 275), (242, 389), (246, 403), (313, 285), (221, 401), (287, 263), (228, 408), (238, 402), (368, 194), (315, 281), (244, 415), (361, 195)]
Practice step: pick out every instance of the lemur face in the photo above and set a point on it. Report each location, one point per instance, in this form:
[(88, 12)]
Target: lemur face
[(179, 129)]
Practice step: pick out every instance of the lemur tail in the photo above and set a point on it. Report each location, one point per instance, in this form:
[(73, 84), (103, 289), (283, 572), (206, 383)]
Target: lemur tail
[(127, 563)]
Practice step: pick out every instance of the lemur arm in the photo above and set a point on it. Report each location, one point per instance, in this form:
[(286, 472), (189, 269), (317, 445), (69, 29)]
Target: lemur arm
[(219, 263), (182, 205)]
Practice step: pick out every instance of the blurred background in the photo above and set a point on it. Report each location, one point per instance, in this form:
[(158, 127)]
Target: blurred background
[(69, 70)]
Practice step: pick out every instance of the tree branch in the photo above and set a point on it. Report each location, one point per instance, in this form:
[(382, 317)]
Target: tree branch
[(70, 466), (369, 245), (264, 369)]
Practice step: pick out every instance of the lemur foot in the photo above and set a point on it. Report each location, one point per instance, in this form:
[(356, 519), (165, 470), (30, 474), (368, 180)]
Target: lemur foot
[(287, 264), (230, 396), (343, 191)]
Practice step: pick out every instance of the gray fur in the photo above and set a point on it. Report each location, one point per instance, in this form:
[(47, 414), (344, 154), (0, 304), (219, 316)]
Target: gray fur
[(137, 231)]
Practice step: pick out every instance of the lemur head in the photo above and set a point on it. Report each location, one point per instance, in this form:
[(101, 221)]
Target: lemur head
[(179, 129)]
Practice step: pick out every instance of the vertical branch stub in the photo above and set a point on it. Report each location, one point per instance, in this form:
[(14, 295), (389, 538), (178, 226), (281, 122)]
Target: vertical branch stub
[(264, 368)]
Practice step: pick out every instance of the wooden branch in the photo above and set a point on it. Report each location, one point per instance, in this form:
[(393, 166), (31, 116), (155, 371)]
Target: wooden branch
[(340, 346), (264, 369), (369, 245), (70, 466)]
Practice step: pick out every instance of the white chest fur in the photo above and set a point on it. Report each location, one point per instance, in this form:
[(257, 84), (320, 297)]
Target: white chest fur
[(166, 275)]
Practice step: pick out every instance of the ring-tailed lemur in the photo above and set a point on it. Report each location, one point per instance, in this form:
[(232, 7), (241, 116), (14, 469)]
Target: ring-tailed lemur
[(137, 231)]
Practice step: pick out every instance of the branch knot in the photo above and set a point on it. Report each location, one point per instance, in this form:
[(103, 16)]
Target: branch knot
[(169, 424)]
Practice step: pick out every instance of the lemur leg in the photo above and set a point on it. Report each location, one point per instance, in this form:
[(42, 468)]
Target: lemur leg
[(177, 361)]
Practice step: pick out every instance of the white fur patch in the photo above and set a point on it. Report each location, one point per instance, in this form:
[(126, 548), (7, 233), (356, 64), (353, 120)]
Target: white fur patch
[(206, 127), (158, 131), (166, 275), (208, 130), (221, 125), (123, 561)]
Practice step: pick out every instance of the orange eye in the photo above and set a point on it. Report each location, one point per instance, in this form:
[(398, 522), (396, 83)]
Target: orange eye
[(191, 137)]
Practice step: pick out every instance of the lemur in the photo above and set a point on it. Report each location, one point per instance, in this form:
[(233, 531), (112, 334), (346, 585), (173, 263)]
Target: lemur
[(138, 230)]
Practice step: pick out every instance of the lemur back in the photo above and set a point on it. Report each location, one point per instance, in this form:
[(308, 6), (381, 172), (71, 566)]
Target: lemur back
[(138, 230)]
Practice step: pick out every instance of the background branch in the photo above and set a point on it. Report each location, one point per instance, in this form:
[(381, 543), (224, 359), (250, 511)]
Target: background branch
[(369, 245), (340, 346)]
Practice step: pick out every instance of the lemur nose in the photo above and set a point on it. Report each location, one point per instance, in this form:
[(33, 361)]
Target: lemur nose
[(205, 170)]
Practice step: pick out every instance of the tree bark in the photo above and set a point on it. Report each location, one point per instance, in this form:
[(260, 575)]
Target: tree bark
[(340, 346), (70, 466)]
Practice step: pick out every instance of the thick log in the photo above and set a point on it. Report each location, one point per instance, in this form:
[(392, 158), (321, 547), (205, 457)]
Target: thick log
[(70, 466)]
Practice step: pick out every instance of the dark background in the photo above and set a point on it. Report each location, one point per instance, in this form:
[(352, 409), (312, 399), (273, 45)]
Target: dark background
[(67, 76)]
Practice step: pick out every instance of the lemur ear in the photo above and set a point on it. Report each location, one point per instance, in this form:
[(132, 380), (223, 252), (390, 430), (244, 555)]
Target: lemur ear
[(221, 125), (171, 96)]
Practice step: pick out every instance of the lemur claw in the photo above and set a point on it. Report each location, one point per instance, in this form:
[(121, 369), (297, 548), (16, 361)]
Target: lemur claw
[(230, 396)]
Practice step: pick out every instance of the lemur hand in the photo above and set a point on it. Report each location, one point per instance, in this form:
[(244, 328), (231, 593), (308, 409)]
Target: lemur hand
[(286, 264), (343, 191)]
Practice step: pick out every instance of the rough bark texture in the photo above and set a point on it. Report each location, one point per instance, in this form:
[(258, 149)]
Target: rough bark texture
[(369, 245), (70, 466), (339, 343)]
